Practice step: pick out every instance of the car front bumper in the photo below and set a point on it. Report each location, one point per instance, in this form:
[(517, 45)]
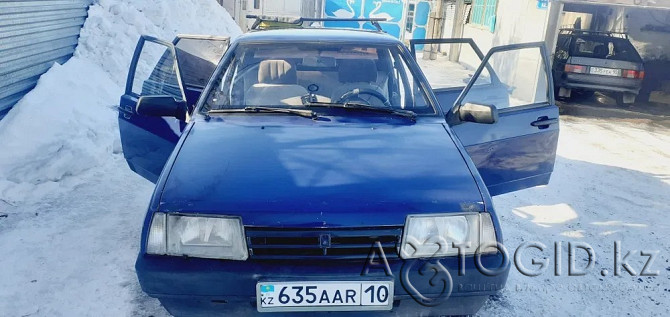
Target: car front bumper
[(205, 287)]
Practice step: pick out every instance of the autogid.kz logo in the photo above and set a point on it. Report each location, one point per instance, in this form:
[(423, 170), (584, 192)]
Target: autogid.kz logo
[(427, 269), (426, 280)]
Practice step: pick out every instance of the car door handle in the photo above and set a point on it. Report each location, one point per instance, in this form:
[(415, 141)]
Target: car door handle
[(126, 110), (544, 122)]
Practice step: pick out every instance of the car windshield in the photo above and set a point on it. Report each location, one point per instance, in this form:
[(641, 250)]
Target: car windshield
[(605, 48), (298, 75)]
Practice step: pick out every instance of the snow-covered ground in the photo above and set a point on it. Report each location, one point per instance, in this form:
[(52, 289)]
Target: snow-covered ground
[(71, 210), (66, 127), (611, 182), (443, 73)]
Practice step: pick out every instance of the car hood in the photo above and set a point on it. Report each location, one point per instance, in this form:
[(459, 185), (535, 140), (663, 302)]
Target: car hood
[(316, 175)]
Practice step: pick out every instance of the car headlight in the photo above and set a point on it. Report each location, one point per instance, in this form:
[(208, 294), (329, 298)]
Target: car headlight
[(197, 236), (435, 235)]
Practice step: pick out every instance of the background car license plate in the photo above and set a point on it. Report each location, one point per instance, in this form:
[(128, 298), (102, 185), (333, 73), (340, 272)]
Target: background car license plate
[(324, 295), (605, 71)]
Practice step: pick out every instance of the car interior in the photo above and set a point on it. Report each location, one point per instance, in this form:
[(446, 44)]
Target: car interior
[(605, 48), (365, 75), (285, 82)]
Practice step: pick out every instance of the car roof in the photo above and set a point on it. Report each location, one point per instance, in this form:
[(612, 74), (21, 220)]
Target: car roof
[(600, 37), (318, 35), (584, 33)]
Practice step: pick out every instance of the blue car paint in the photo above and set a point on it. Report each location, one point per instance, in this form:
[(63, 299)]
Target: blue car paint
[(524, 156), (229, 286), (147, 141), (296, 174), (213, 152), (511, 154)]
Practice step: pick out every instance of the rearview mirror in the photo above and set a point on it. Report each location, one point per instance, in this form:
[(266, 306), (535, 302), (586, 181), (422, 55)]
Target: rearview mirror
[(478, 113), (161, 106)]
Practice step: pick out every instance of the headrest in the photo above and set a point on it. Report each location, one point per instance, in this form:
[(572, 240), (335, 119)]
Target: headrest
[(357, 71), (276, 71), (600, 50)]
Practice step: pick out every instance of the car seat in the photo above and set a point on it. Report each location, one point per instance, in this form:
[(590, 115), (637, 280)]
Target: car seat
[(357, 73), (277, 85), (600, 51)]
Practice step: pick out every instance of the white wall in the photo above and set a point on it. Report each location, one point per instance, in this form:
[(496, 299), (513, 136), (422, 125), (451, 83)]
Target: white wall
[(282, 7), (568, 19), (651, 44), (517, 21)]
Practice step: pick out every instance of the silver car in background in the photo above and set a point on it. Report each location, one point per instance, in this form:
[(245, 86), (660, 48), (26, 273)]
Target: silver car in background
[(587, 61)]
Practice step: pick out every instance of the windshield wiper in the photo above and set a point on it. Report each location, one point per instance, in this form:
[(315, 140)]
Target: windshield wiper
[(298, 112), (359, 106)]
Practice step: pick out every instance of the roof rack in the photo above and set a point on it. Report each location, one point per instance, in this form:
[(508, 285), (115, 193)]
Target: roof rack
[(268, 22), (623, 35)]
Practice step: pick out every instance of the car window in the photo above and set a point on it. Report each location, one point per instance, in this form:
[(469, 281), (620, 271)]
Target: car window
[(289, 75), (198, 58), (444, 71), (562, 47), (522, 80), (156, 72), (604, 48)]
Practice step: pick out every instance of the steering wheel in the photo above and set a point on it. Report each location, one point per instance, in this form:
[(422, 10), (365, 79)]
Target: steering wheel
[(364, 91)]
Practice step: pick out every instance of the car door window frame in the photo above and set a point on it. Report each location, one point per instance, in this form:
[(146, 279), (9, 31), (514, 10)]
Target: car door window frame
[(469, 41), (133, 64), (504, 48), (180, 37)]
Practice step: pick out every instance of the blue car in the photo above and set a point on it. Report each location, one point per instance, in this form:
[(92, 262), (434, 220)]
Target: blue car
[(312, 170)]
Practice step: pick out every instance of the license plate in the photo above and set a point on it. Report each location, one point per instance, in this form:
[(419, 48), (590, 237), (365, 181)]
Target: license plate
[(324, 296), (605, 71)]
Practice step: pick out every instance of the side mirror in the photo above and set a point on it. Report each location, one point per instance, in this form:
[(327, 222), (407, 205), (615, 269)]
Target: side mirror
[(161, 106), (477, 113)]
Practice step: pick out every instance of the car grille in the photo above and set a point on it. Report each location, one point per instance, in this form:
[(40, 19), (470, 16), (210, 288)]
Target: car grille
[(348, 243)]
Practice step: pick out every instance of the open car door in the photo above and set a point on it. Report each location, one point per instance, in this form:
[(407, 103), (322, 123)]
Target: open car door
[(506, 117), (448, 64), (166, 80)]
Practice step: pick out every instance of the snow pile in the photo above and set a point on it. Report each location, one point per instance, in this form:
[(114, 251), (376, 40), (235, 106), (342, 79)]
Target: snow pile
[(113, 27), (62, 128), (66, 126)]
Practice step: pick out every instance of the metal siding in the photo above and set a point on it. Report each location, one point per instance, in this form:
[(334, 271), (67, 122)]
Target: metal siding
[(34, 35)]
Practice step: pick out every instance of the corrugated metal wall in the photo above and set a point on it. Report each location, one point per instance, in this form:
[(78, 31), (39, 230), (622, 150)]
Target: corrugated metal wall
[(34, 35)]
